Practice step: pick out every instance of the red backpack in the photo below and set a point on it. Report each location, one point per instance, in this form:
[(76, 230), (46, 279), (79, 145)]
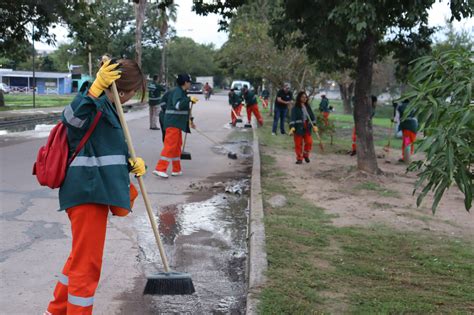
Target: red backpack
[(52, 160)]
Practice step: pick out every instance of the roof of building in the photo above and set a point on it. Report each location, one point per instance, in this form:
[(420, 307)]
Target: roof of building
[(46, 75)]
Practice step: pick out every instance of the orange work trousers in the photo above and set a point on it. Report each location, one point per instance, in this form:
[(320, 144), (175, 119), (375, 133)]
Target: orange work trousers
[(254, 109), (408, 138), (326, 118), (354, 139), (171, 150), (233, 116), (303, 145), (74, 292)]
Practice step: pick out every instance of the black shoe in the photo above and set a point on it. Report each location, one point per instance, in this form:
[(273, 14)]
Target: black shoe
[(299, 162), (283, 133), (354, 152), (306, 159), (155, 128)]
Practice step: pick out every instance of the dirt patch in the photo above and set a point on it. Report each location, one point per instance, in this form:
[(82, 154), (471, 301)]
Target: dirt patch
[(359, 199)]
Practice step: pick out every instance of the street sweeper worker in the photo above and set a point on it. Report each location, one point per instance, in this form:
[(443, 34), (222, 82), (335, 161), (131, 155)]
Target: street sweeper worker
[(154, 94), (324, 109), (251, 104), (97, 181), (409, 127), (302, 123), (177, 118), (235, 101)]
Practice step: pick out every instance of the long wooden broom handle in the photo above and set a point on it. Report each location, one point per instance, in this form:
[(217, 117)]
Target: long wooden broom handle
[(186, 134), (131, 150)]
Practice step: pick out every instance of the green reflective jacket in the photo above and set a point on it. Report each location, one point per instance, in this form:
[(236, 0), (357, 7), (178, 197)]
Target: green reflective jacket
[(154, 93), (235, 100), (99, 173), (177, 109), (250, 98), (298, 118)]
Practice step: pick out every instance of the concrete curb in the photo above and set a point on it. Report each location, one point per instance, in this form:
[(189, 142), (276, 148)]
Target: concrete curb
[(257, 257)]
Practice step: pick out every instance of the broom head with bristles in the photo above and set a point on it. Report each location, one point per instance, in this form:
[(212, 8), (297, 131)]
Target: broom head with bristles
[(169, 283)]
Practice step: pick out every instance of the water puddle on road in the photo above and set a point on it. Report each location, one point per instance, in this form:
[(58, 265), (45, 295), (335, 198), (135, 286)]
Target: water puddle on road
[(207, 239)]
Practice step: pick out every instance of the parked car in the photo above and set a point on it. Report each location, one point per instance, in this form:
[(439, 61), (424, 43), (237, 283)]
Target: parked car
[(196, 88), (238, 85), (5, 88)]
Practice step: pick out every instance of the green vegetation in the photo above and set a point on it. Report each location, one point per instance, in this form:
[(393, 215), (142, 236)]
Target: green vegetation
[(17, 101), (383, 192), (315, 267)]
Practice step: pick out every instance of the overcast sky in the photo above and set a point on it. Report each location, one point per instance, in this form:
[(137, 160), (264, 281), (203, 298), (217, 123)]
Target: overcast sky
[(203, 29)]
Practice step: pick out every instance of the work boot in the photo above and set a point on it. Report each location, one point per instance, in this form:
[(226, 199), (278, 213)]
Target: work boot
[(306, 159), (160, 174), (299, 162)]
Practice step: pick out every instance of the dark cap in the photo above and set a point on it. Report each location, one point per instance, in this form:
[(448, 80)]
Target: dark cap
[(183, 78)]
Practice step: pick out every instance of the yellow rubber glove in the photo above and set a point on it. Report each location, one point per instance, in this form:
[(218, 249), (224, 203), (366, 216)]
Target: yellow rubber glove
[(194, 100), (137, 167), (315, 129), (292, 131), (105, 76)]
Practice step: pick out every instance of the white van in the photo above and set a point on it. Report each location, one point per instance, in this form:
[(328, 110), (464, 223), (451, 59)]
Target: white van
[(238, 85)]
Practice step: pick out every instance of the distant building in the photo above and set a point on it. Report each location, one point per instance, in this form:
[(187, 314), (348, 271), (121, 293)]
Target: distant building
[(46, 82)]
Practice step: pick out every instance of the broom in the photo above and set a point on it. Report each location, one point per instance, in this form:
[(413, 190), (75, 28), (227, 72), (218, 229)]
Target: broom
[(317, 133), (387, 147), (230, 154), (186, 155), (168, 282), (237, 118)]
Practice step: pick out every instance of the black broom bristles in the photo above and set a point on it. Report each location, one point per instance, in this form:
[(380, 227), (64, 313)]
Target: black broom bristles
[(185, 155), (169, 283)]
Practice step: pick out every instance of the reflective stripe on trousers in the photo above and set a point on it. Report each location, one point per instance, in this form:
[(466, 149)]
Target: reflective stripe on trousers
[(74, 292)]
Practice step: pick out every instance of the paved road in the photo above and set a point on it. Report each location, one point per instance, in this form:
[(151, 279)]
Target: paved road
[(206, 237)]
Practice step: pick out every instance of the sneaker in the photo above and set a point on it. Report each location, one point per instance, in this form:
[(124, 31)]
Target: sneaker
[(274, 134), (299, 162), (306, 159), (177, 173), (160, 174)]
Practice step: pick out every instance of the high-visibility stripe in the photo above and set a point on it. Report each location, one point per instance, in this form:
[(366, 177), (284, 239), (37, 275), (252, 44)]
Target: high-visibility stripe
[(177, 112), (71, 119), (63, 279), (80, 301), (177, 105), (91, 161), (162, 104), (153, 98), (170, 159)]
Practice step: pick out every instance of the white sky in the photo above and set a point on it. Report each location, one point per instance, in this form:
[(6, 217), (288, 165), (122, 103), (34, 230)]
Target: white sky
[(203, 29)]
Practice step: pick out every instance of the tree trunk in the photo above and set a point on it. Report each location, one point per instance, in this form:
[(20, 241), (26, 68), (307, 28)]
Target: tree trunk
[(346, 94), (2, 100), (163, 62), (139, 17), (366, 158)]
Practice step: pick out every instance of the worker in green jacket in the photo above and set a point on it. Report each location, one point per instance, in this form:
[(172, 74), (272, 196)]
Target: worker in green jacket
[(235, 101), (154, 94), (177, 118), (302, 123), (252, 105), (96, 182)]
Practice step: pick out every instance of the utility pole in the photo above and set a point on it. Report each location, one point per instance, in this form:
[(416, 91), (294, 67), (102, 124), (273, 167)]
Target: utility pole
[(90, 60), (34, 78)]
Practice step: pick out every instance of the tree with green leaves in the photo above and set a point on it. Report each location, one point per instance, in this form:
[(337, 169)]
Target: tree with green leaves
[(442, 100), (161, 14)]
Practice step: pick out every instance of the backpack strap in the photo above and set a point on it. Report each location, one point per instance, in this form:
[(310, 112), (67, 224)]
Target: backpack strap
[(86, 137)]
